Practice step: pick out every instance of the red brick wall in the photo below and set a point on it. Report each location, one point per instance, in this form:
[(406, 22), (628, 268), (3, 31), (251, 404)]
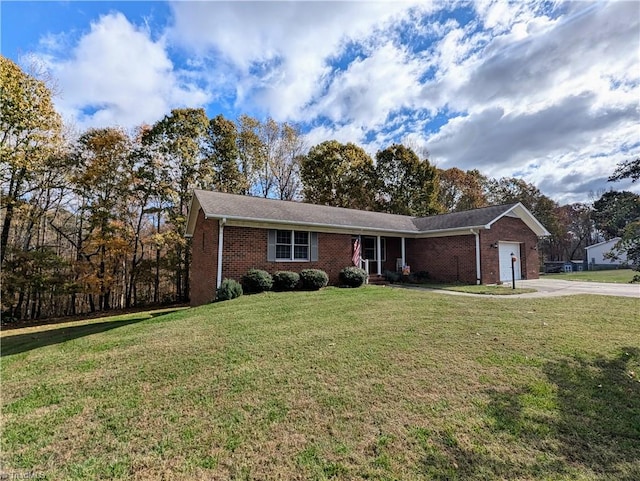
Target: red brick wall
[(246, 248), (447, 259), (204, 261), (513, 230)]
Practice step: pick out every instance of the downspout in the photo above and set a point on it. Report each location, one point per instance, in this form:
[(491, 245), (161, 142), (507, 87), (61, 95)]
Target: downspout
[(221, 224), (379, 255), (478, 271)]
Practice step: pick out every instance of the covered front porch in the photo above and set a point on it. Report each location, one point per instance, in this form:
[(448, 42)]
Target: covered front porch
[(379, 254)]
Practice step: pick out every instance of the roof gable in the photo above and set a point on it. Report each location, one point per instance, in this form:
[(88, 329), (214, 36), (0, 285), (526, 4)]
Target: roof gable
[(610, 241), (260, 210)]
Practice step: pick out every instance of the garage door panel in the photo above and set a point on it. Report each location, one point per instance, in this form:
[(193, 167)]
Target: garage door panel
[(505, 249)]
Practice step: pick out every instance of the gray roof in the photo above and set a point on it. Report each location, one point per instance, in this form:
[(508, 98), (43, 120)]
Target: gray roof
[(258, 209), (468, 218)]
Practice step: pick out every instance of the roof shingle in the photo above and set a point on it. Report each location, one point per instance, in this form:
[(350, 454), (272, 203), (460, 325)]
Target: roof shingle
[(219, 205)]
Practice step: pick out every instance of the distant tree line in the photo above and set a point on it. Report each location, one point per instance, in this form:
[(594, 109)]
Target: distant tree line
[(96, 221)]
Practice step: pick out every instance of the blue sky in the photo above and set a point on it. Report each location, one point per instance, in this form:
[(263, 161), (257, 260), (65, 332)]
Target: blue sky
[(544, 90)]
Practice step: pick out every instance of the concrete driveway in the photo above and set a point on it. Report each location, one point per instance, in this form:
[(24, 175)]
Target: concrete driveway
[(549, 288), (558, 287)]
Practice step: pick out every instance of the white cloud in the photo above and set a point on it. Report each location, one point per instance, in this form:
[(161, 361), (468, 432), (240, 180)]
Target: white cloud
[(545, 90), (545, 98), (371, 88), (279, 49), (117, 75)]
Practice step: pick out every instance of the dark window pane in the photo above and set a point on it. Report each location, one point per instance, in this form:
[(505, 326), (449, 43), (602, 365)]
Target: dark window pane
[(283, 237), (302, 238), (301, 252), (283, 252)]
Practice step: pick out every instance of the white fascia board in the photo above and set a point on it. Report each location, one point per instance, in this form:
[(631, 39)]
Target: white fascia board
[(614, 240), (335, 229), (313, 226), (192, 216)]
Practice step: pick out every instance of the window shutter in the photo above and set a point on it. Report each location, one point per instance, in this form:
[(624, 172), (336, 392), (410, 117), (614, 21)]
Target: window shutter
[(271, 246), (314, 246)]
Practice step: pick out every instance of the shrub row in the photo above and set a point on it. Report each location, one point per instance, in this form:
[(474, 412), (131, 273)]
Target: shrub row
[(418, 277), (258, 280)]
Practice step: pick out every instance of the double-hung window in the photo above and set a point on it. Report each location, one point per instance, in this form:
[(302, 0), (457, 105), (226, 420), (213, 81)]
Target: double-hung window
[(292, 245)]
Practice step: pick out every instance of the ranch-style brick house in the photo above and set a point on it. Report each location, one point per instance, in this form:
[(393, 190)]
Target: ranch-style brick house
[(233, 233)]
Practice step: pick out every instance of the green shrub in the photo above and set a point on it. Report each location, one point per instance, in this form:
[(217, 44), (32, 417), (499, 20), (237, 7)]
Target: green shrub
[(313, 279), (229, 289), (393, 276), (285, 281), (353, 276), (256, 280), (419, 277)]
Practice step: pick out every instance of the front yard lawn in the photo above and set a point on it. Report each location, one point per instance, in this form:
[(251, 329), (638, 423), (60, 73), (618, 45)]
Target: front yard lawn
[(369, 383), (616, 276)]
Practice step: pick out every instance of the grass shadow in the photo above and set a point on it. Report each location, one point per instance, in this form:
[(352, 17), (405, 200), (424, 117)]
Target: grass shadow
[(20, 343), (599, 403), (588, 415)]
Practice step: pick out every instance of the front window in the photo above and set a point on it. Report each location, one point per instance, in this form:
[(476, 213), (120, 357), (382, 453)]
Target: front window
[(292, 245)]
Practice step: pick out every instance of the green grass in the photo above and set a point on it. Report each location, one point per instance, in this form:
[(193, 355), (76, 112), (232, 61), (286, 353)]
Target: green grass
[(502, 290), (616, 276), (370, 383)]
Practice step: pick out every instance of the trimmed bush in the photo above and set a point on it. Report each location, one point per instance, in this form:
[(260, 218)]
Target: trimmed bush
[(353, 276), (419, 277), (256, 280), (313, 279), (229, 289), (393, 276), (285, 281)]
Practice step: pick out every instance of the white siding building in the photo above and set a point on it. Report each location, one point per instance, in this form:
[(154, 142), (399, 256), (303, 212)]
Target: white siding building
[(596, 254)]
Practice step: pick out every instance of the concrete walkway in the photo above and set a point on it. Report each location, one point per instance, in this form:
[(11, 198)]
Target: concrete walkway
[(552, 288)]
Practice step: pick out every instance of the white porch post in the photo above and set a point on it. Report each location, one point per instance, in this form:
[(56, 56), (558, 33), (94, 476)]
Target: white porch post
[(403, 252), (221, 224), (379, 254)]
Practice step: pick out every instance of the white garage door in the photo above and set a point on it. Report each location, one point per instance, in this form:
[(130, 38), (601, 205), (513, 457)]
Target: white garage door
[(505, 249)]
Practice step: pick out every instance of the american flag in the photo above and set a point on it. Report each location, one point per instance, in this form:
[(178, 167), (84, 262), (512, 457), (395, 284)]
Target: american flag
[(356, 252)]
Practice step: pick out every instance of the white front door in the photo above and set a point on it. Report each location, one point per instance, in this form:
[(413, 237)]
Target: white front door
[(505, 250)]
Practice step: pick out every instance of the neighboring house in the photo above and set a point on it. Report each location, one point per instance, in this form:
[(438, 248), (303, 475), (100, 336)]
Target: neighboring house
[(233, 233), (596, 255)]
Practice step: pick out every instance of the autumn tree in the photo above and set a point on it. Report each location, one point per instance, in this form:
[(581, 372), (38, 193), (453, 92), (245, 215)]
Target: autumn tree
[(509, 190), (102, 175), (614, 210), (460, 190), (251, 151), (629, 243), (180, 138), (222, 150), (340, 175), (30, 140), (407, 185), (285, 162), (579, 228)]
